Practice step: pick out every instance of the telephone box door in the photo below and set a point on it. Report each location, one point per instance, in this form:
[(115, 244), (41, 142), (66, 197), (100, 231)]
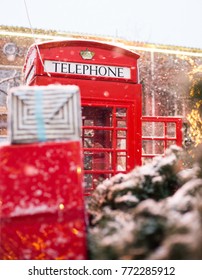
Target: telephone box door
[(108, 140)]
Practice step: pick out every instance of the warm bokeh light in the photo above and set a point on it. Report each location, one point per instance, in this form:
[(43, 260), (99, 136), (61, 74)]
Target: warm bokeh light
[(61, 206)]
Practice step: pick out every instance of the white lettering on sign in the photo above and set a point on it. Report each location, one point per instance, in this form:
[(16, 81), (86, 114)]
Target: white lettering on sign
[(72, 68)]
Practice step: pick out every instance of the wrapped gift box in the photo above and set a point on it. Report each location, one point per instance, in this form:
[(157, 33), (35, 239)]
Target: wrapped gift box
[(41, 183), (44, 113)]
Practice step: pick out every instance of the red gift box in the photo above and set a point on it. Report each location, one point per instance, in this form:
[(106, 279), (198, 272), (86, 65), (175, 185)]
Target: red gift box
[(41, 201)]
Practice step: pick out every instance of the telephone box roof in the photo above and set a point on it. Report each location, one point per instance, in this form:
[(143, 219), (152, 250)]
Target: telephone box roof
[(83, 42)]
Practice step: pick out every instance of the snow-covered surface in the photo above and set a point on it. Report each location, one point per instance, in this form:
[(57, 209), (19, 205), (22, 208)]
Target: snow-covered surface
[(154, 212), (32, 210)]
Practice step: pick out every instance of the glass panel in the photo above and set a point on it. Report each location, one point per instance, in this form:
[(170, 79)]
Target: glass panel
[(171, 129), (121, 112), (88, 133), (88, 160), (147, 129), (153, 147), (171, 142), (121, 144), (87, 122), (88, 181), (96, 138), (101, 160), (153, 129), (97, 116), (121, 123), (121, 133), (102, 139), (146, 160), (121, 163)]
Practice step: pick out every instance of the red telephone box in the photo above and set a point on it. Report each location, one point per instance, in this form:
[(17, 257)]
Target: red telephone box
[(107, 76)]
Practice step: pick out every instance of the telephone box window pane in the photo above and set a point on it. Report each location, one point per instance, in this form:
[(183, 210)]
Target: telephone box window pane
[(97, 160), (171, 142), (89, 133), (121, 112), (121, 144), (97, 138), (102, 139), (88, 160), (121, 123), (121, 161), (171, 129), (97, 116), (146, 160), (87, 143), (121, 134), (101, 160), (88, 181), (159, 147), (154, 129), (146, 129), (153, 147), (87, 122)]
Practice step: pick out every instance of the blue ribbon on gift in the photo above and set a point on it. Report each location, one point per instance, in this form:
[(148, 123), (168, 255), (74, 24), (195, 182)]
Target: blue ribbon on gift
[(40, 125)]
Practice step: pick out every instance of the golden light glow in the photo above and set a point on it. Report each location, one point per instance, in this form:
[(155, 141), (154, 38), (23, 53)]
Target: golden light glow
[(61, 206), (195, 117), (75, 231), (196, 125), (79, 169)]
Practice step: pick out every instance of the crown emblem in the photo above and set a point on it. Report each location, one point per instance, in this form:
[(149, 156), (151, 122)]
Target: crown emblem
[(86, 54)]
